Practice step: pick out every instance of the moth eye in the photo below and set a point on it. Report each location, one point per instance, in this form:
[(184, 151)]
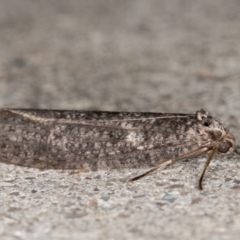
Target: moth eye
[(224, 147), (206, 124)]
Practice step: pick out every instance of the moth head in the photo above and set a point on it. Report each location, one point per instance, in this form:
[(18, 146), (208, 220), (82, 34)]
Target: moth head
[(227, 144), (217, 131)]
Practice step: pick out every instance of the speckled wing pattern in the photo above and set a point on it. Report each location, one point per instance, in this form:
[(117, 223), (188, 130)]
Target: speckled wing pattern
[(58, 139)]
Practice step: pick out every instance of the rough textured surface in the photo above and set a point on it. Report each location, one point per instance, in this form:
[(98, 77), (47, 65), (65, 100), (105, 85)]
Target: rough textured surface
[(159, 56)]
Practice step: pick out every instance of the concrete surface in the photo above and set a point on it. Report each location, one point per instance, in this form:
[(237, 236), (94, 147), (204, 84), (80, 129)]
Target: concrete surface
[(132, 55)]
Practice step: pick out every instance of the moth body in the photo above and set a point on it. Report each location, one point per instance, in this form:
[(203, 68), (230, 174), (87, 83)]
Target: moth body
[(59, 139)]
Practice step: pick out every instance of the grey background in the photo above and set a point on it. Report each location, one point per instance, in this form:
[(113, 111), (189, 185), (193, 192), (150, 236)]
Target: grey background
[(128, 55)]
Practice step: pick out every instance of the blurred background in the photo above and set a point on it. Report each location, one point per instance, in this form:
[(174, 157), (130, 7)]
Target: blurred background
[(128, 55), (137, 55)]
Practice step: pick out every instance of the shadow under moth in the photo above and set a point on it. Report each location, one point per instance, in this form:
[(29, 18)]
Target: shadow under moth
[(65, 139)]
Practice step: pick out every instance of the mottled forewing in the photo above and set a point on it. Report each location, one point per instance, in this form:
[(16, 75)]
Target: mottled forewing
[(75, 139)]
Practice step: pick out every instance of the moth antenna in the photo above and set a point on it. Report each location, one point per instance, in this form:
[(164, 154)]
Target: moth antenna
[(162, 165), (206, 166)]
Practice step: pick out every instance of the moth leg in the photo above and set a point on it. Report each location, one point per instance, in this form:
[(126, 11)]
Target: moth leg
[(162, 165), (206, 166), (83, 170), (170, 161), (236, 151)]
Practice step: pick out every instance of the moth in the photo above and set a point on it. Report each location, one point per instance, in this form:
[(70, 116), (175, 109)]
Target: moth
[(65, 139)]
